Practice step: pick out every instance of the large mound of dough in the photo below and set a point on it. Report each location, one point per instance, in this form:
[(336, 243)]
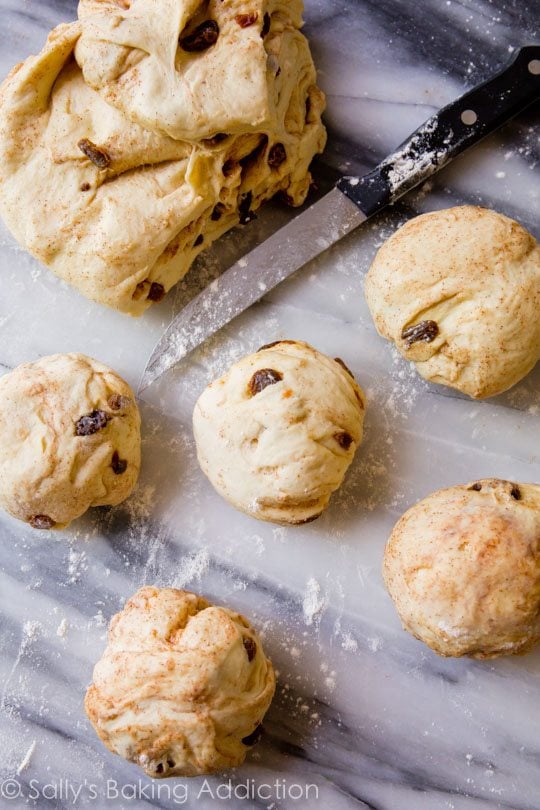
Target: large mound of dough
[(108, 175), (458, 291), (246, 81), (182, 686), (277, 433), (463, 569), (70, 439)]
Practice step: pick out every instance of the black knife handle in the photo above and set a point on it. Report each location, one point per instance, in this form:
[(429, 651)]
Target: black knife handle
[(449, 132)]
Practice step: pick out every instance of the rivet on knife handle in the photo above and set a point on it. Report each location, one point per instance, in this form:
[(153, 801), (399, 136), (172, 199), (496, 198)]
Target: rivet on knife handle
[(449, 132)]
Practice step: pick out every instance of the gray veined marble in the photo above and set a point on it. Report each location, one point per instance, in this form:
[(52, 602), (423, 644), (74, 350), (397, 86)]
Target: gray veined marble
[(364, 715)]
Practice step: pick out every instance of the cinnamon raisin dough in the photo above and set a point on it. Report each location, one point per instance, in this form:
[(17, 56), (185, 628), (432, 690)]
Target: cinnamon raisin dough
[(124, 153), (458, 292), (463, 569), (183, 685), (277, 433), (70, 439)]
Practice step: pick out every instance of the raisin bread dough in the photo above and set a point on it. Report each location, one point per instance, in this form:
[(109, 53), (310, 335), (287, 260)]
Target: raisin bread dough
[(277, 433), (182, 687), (458, 291), (463, 569), (70, 439), (123, 155)]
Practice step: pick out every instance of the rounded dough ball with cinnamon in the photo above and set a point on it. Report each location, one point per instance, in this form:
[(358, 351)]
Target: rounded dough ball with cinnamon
[(458, 292), (276, 434), (182, 687), (70, 439), (463, 569)]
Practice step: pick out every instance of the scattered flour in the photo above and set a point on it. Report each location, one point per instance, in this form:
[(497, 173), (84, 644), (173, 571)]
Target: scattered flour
[(62, 628), (313, 604), (25, 762), (349, 643), (192, 568)]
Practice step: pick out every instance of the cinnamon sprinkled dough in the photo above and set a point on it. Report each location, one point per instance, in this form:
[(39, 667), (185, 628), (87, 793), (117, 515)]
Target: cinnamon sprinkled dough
[(143, 127), (463, 569), (277, 433), (458, 292), (183, 685), (65, 421)]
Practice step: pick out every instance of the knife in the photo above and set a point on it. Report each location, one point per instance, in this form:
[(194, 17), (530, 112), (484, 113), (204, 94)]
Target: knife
[(351, 202)]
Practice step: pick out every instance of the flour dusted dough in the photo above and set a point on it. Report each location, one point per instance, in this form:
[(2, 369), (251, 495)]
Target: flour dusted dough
[(277, 433), (473, 273), (122, 156), (463, 569), (70, 439), (183, 685)]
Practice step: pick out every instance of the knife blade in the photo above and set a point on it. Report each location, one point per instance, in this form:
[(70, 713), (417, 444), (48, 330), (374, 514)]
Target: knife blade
[(438, 140)]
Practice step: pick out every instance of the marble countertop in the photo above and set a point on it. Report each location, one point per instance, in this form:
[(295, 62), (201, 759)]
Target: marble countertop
[(364, 716)]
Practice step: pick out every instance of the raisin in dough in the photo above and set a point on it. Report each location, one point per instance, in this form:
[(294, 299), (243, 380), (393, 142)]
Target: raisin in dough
[(107, 174), (168, 77), (183, 685), (463, 569), (277, 433), (458, 291), (70, 439)]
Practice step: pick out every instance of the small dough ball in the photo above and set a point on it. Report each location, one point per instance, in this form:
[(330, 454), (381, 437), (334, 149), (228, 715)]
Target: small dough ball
[(277, 433), (70, 439), (182, 687), (463, 569), (458, 291)]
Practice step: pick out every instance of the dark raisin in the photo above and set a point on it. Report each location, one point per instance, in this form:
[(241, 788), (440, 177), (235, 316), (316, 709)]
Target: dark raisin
[(266, 25), (476, 487), (156, 292), (245, 204), (85, 187), (424, 332), (202, 38), (199, 240), (119, 465), (245, 20), (98, 156), (117, 402), (228, 167), (171, 763), (283, 197), (515, 492), (250, 648), (262, 379), (277, 155), (159, 767), (254, 737), (340, 362), (344, 439), (217, 213), (91, 423), (41, 522)]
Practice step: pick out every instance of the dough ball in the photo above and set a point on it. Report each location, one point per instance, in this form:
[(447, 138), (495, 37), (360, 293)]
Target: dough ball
[(458, 291), (463, 569), (124, 154), (276, 434), (182, 687), (70, 438)]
